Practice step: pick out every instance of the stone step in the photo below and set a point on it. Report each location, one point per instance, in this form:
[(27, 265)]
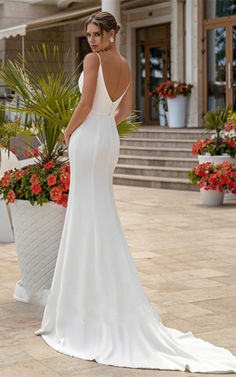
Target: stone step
[(170, 134), (154, 182), (151, 151), (152, 171), (158, 161), (157, 143)]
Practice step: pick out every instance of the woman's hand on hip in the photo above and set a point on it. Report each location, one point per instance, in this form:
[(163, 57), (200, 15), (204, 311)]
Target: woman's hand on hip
[(67, 136)]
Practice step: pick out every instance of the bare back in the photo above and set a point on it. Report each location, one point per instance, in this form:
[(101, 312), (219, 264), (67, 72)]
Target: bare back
[(116, 73)]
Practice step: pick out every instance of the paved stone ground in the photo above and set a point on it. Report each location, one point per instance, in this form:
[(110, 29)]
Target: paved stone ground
[(186, 256)]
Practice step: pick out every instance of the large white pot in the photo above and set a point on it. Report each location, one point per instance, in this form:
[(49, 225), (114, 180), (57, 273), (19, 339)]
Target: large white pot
[(215, 159), (177, 110), (218, 160), (162, 116), (212, 197), (37, 231)]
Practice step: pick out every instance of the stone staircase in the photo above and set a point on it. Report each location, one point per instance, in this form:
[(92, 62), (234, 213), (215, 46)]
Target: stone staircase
[(157, 157)]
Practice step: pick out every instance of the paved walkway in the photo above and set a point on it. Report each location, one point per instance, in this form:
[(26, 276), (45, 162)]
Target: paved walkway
[(186, 256)]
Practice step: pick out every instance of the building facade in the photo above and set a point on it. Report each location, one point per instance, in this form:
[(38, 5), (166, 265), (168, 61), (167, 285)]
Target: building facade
[(191, 41)]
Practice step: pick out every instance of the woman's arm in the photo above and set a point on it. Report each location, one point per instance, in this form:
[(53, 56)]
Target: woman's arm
[(91, 65)]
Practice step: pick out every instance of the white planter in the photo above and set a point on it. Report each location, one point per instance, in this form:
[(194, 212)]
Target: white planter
[(167, 118), (177, 110), (37, 231), (212, 197), (215, 159), (218, 160), (161, 114)]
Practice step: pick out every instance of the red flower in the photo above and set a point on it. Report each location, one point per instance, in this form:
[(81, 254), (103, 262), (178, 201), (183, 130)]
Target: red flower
[(34, 179), (36, 188), (11, 196), (27, 154), (35, 151), (64, 199), (65, 177), (229, 126), (19, 174), (51, 180), (55, 193), (62, 186), (48, 165), (6, 179)]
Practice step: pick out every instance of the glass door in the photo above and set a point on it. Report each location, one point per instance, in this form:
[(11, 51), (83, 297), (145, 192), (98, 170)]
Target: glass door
[(220, 63), (155, 75), (152, 67), (216, 68), (233, 71)]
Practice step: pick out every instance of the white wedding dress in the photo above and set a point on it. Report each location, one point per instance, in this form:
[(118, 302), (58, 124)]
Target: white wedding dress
[(97, 307)]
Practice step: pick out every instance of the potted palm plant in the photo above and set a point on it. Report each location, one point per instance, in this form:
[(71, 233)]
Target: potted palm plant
[(48, 94), (221, 145)]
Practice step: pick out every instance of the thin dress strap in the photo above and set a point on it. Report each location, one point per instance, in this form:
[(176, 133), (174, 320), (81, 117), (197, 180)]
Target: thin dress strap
[(118, 80), (98, 56)]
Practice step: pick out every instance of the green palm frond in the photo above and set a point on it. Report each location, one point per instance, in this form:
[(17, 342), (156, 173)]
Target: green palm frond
[(46, 87), (129, 125), (215, 120), (47, 94)]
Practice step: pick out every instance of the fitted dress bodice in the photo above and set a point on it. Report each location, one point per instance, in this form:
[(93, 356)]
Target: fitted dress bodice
[(102, 103)]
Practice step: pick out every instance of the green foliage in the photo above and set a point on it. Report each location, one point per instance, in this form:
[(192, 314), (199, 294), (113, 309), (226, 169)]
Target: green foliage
[(48, 95), (215, 120), (21, 183), (129, 125)]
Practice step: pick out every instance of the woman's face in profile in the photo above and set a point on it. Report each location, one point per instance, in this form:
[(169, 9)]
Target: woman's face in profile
[(94, 37)]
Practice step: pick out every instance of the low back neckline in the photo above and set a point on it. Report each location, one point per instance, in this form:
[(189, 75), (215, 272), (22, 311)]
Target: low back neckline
[(100, 67)]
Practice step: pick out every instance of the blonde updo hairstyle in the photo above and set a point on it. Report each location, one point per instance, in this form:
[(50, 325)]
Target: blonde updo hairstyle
[(105, 21)]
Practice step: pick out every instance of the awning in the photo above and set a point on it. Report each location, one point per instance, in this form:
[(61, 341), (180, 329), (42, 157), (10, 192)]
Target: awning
[(53, 20), (61, 17), (13, 31)]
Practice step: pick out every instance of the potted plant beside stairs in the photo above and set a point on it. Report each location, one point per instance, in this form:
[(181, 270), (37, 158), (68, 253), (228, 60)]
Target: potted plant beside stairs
[(38, 194), (214, 180), (176, 94), (221, 146)]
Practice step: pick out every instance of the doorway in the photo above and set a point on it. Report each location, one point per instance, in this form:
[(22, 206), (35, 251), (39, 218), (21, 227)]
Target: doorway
[(220, 63), (152, 67)]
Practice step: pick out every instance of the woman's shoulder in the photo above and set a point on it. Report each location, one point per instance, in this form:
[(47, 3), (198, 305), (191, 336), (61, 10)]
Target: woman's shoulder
[(91, 60), (91, 57)]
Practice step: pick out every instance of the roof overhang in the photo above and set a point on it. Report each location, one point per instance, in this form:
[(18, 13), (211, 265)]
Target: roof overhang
[(54, 20), (13, 31)]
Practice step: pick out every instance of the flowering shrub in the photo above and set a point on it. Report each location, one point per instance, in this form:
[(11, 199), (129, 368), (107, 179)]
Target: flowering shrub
[(211, 146), (171, 89), (231, 120), (211, 177), (40, 185)]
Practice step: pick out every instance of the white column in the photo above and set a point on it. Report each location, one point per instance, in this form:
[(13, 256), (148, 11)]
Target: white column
[(113, 7), (193, 61), (177, 40)]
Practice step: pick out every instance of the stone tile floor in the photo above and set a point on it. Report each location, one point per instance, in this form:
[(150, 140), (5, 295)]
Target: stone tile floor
[(186, 256)]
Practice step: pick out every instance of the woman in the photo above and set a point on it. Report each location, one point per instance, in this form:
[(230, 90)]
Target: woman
[(97, 308)]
